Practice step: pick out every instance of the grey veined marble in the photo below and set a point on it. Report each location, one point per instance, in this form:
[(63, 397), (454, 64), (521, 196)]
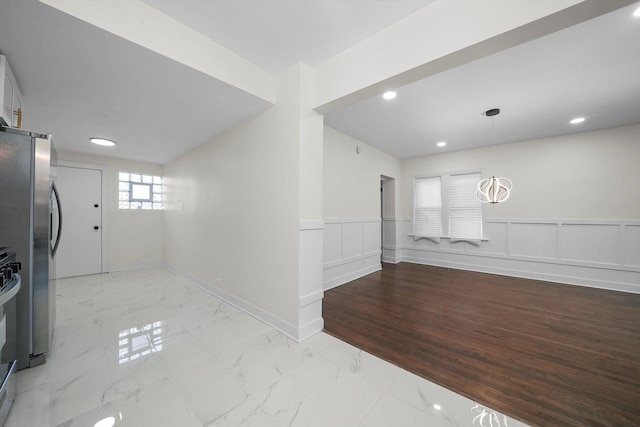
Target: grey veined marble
[(148, 348)]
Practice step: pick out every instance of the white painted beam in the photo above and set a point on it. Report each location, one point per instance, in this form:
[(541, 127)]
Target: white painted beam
[(441, 36), (139, 23)]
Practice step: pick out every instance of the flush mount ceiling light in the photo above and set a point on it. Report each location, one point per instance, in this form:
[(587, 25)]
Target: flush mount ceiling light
[(577, 120), (106, 422), (388, 95), (493, 190), (441, 144), (102, 141)]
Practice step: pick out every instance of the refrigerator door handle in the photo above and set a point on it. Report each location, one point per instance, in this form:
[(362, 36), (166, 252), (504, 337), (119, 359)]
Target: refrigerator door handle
[(59, 203)]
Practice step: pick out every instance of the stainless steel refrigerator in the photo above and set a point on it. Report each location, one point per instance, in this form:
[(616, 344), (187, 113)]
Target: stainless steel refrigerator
[(30, 224)]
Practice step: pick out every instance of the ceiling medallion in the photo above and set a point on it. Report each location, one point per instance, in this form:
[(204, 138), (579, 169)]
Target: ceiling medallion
[(493, 190)]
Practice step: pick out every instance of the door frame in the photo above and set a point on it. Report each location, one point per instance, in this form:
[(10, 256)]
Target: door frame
[(104, 213), (387, 214)]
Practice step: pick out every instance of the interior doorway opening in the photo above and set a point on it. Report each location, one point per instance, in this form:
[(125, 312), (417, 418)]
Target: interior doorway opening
[(387, 217)]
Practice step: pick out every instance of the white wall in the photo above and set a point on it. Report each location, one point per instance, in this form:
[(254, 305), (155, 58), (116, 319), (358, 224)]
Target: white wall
[(237, 229), (573, 216), (236, 222), (352, 217), (311, 226), (135, 237), (352, 180), (579, 176)]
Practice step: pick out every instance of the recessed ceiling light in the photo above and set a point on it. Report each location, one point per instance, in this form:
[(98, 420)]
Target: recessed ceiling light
[(389, 95), (441, 144), (577, 120), (437, 407), (106, 422), (102, 141), (637, 13)]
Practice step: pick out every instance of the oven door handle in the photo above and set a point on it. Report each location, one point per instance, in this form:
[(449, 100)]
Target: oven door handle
[(59, 203)]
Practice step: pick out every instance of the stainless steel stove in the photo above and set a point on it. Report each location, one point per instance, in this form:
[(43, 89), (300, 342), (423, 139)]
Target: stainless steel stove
[(10, 283)]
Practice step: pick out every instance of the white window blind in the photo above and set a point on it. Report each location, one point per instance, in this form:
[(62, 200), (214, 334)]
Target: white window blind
[(427, 208), (465, 211)]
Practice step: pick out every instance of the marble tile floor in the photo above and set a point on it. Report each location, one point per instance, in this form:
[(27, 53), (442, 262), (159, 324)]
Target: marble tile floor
[(148, 348)]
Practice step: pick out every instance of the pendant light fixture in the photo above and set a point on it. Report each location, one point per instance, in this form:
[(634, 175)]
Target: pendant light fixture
[(493, 190)]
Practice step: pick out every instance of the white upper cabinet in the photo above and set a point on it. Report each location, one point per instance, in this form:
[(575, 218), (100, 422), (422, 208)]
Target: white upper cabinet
[(10, 95)]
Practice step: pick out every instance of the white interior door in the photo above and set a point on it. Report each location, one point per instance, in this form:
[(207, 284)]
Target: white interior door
[(80, 250)]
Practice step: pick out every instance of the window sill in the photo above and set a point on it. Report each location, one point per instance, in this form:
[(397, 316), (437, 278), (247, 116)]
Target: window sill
[(484, 239)]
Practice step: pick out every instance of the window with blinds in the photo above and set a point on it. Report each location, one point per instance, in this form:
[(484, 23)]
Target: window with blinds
[(427, 208), (465, 211), (446, 207)]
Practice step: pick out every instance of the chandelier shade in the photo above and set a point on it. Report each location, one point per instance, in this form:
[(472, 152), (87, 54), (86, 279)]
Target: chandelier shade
[(494, 190)]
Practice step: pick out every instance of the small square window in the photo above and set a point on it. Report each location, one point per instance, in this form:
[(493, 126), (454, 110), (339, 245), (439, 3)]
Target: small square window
[(139, 191)]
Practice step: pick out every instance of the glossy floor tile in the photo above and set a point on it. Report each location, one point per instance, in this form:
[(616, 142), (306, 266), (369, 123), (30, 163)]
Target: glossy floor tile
[(148, 348)]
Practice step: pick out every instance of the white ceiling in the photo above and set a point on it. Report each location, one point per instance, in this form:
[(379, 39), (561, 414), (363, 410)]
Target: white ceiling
[(275, 34), (80, 81), (591, 70)]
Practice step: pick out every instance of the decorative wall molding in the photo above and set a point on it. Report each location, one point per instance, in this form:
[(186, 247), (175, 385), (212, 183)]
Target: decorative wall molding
[(352, 249), (390, 228), (315, 224), (310, 288), (597, 253)]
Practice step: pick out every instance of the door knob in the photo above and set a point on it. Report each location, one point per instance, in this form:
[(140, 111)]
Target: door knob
[(95, 227)]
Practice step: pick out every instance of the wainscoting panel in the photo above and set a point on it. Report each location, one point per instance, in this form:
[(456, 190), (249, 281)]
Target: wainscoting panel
[(533, 240), (310, 270), (499, 242), (632, 245), (352, 240), (352, 249), (332, 246), (594, 243), (371, 235), (602, 254), (389, 240)]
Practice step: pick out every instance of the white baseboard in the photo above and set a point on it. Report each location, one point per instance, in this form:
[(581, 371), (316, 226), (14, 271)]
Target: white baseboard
[(351, 274), (125, 267), (579, 276), (275, 322), (602, 254), (310, 329)]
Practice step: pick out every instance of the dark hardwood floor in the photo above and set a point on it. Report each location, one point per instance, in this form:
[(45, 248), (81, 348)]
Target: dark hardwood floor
[(547, 354)]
